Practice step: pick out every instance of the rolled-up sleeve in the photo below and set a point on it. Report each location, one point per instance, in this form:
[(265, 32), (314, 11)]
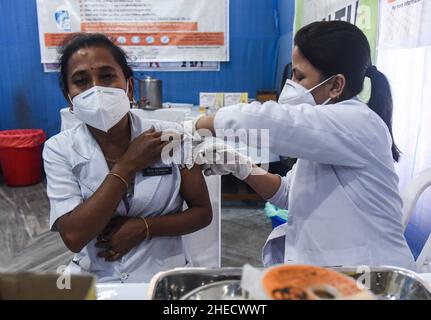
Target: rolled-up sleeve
[(281, 198), (63, 189)]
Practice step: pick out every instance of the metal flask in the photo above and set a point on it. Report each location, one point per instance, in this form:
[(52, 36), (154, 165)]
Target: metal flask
[(150, 93)]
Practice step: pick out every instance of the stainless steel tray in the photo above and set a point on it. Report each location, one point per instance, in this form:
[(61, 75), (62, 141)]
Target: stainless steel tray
[(387, 283), (174, 284), (221, 290)]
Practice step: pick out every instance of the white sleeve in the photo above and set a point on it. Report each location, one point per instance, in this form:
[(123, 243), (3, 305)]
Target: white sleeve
[(63, 189), (281, 198), (161, 125), (325, 134)]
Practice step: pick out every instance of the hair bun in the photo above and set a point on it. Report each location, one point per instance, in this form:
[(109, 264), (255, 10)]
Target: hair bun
[(370, 71)]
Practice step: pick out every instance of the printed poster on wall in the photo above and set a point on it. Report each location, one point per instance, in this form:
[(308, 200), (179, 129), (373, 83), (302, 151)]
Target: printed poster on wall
[(148, 30), (158, 66), (405, 24)]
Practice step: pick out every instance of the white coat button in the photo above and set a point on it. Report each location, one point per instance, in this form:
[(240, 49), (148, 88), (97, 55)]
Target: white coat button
[(124, 276)]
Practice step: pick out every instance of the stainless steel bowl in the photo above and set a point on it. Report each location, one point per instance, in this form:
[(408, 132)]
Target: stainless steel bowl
[(387, 283), (223, 290), (174, 284), (390, 283)]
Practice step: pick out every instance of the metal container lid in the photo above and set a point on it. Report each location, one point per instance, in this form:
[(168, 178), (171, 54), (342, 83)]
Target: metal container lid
[(150, 79)]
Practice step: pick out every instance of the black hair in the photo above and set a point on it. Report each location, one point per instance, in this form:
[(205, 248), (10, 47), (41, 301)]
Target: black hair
[(338, 47), (83, 40), (287, 74)]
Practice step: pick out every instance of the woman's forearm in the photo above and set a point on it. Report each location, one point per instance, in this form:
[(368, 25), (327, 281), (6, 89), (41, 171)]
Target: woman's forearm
[(264, 183), (191, 220), (88, 220)]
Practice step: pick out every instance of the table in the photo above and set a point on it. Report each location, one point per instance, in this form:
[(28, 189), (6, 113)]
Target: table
[(122, 291)]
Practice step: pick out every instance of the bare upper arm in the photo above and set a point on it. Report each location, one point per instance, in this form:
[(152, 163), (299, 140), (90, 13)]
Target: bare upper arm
[(194, 188)]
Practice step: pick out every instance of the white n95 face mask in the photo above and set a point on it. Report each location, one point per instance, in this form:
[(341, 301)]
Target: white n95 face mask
[(101, 107), (293, 93)]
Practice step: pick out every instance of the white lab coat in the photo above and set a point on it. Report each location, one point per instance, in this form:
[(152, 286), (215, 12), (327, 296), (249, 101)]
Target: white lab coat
[(75, 167), (342, 195)]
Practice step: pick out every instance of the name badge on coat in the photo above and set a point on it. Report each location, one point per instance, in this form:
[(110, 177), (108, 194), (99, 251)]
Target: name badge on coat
[(160, 171)]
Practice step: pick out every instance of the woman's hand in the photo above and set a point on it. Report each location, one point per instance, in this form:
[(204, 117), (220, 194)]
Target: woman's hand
[(220, 159), (120, 236), (143, 151)]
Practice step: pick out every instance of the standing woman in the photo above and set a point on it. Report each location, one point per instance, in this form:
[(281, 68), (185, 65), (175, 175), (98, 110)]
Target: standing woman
[(342, 195), (113, 201)]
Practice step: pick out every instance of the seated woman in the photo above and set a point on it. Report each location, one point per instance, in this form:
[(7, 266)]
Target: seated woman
[(113, 200)]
